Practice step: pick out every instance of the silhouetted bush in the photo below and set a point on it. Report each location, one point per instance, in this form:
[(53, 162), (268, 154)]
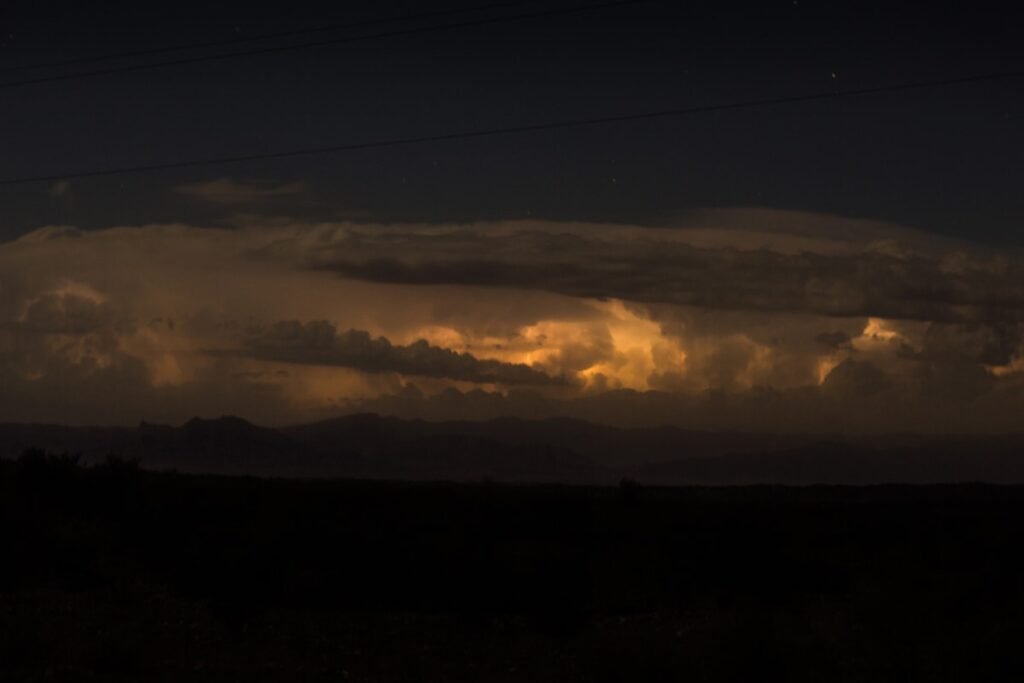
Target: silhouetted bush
[(629, 490), (117, 465), (37, 462)]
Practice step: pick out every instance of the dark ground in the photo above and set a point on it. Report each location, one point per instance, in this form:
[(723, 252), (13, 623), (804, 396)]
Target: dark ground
[(115, 574)]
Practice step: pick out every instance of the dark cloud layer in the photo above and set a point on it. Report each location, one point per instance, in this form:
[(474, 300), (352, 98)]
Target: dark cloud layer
[(989, 344), (880, 279), (319, 343)]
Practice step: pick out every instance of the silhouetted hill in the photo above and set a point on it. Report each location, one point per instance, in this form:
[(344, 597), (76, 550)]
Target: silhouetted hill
[(374, 446), (228, 445), (602, 446), (558, 450)]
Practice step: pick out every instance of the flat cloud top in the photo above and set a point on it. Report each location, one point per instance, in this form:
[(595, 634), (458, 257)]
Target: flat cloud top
[(833, 274)]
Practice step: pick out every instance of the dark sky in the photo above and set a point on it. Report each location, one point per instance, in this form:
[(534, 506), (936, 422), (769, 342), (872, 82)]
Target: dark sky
[(847, 264), (946, 160)]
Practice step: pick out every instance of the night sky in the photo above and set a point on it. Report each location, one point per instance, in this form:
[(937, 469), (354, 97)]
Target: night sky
[(849, 264)]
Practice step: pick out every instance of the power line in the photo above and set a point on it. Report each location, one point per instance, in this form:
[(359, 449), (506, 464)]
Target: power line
[(264, 36), (510, 130), (321, 43)]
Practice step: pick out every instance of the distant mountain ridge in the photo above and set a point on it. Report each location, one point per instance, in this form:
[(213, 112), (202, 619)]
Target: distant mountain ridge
[(515, 450)]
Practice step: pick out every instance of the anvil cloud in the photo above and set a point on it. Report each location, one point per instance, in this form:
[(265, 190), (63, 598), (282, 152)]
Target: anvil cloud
[(816, 317)]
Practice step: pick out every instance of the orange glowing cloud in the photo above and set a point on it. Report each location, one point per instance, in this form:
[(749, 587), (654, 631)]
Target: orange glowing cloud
[(563, 310)]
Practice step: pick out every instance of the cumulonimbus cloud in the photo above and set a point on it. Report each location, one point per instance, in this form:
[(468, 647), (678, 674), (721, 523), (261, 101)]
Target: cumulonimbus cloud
[(564, 310)]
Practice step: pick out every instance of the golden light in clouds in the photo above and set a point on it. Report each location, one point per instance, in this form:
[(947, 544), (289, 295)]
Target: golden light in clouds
[(878, 336), (826, 364), (614, 348), (170, 312), (877, 330), (1014, 366)]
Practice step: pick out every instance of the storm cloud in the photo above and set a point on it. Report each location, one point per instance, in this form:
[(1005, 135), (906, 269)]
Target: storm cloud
[(319, 343), (797, 321)]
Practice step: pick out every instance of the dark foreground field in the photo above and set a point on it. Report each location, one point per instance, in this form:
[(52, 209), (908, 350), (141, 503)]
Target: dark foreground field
[(115, 574)]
